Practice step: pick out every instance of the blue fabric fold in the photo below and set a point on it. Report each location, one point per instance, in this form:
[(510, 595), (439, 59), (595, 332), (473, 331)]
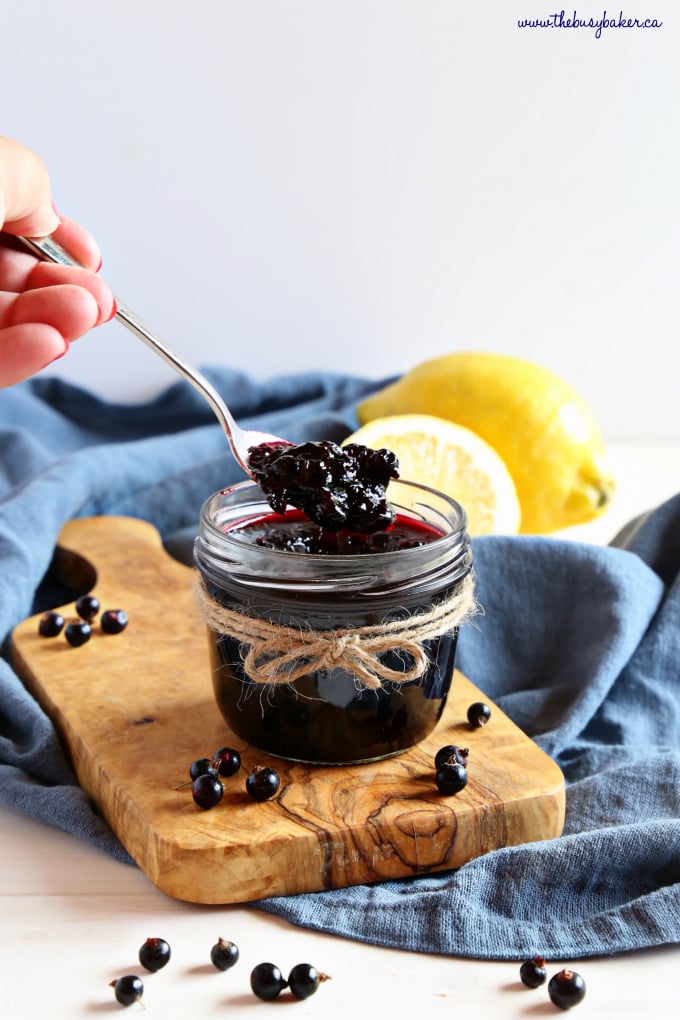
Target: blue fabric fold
[(578, 644)]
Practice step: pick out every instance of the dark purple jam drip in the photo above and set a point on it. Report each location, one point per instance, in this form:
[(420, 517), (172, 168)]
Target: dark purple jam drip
[(339, 488), (294, 532)]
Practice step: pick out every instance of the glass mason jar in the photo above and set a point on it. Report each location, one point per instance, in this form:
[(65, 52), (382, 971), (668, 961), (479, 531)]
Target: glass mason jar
[(344, 706)]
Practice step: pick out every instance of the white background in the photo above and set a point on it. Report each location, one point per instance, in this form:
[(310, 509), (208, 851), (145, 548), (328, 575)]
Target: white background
[(358, 185)]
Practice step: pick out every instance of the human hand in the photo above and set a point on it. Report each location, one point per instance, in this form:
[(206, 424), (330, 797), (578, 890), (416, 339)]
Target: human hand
[(43, 306)]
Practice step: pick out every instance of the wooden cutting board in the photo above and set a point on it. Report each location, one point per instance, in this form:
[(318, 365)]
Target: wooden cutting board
[(135, 709)]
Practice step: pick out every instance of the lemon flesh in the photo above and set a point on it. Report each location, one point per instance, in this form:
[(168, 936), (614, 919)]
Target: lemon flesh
[(546, 434), (452, 459)]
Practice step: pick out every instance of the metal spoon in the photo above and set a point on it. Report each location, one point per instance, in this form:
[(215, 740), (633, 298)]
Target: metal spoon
[(240, 440)]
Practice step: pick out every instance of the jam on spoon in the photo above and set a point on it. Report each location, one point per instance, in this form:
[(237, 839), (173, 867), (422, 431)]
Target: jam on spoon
[(336, 487)]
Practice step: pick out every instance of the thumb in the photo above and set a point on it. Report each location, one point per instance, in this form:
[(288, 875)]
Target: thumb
[(25, 193)]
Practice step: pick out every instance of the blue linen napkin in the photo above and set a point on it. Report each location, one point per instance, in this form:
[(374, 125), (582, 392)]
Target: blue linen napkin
[(579, 645)]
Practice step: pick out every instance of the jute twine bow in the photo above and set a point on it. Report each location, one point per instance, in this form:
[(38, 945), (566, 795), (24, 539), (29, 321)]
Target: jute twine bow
[(279, 654)]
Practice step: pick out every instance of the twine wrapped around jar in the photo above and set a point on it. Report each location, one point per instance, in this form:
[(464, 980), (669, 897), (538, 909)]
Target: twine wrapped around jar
[(278, 654)]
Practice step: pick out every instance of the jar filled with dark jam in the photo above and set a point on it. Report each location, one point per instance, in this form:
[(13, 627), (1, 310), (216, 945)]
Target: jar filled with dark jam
[(280, 574)]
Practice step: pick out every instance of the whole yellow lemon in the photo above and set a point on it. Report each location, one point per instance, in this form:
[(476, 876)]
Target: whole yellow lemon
[(542, 429)]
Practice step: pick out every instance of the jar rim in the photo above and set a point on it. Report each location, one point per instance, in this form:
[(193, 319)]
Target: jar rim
[(219, 549)]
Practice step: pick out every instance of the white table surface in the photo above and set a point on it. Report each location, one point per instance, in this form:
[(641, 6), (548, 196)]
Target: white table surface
[(72, 919)]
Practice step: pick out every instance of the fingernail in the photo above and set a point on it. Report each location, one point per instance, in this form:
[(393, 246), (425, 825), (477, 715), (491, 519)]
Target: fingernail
[(101, 263), (61, 355), (108, 318)]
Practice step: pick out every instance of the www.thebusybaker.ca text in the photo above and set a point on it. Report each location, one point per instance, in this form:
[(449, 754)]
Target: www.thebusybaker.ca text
[(562, 20)]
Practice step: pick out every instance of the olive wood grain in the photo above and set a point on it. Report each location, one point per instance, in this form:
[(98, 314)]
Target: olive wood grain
[(135, 709)]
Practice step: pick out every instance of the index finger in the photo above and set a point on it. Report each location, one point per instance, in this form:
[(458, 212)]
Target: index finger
[(79, 243)]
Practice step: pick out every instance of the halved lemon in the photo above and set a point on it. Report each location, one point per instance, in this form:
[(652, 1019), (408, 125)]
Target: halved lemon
[(451, 458)]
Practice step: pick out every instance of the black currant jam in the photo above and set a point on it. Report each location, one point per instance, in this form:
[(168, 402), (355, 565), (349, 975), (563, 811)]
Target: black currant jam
[(279, 591), (294, 532), (336, 487)]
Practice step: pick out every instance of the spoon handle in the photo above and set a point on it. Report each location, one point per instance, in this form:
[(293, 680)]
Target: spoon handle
[(51, 251)]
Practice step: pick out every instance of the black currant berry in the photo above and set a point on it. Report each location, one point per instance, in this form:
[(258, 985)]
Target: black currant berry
[(128, 989), (478, 714), (78, 633), (227, 761), (451, 778), (87, 607), (51, 624), (566, 989), (267, 981), (202, 767), (154, 954), (113, 621), (532, 972), (224, 954), (207, 790), (304, 980), (263, 783), (450, 754)]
